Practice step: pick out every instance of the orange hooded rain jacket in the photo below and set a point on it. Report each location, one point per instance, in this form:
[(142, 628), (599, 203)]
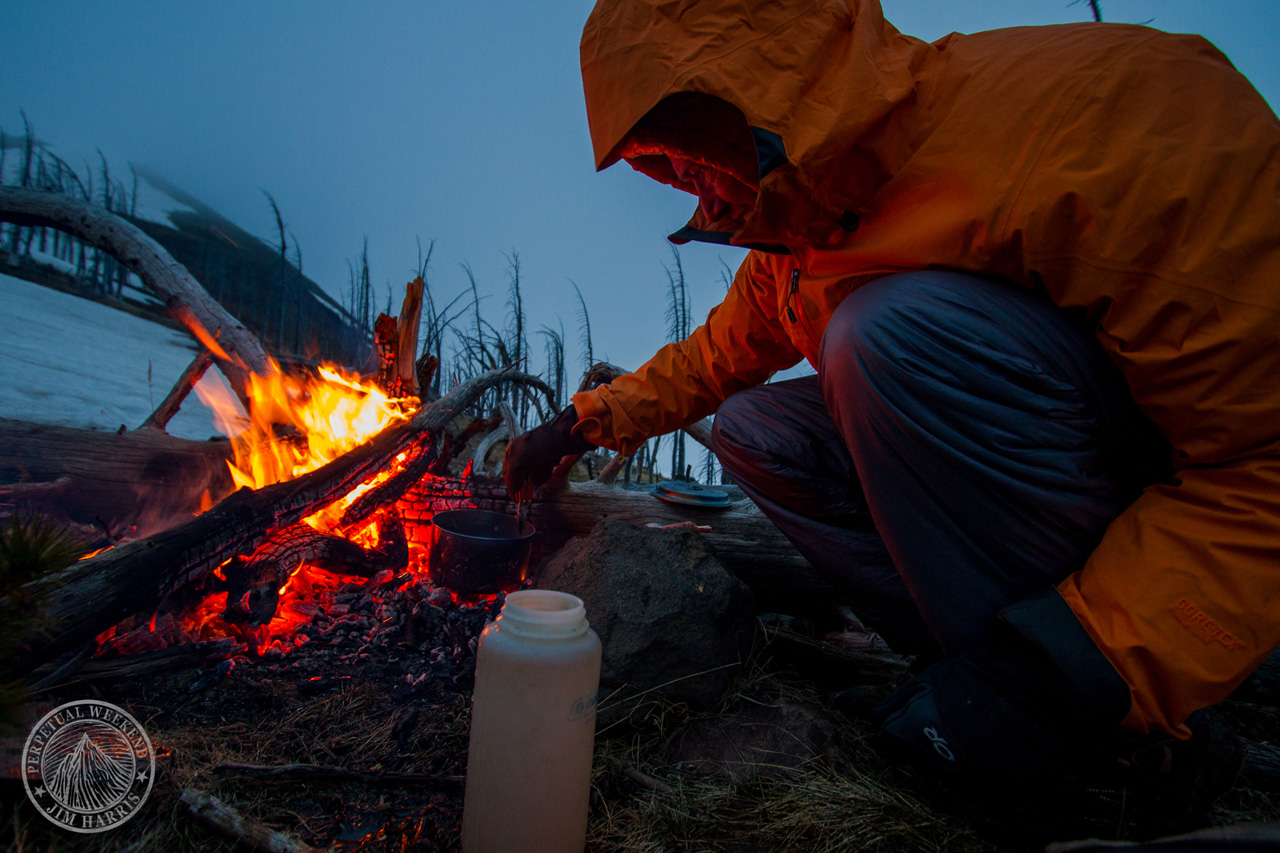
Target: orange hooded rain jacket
[(1124, 171)]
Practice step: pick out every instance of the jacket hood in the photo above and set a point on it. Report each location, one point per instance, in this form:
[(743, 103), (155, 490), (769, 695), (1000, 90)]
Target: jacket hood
[(822, 84)]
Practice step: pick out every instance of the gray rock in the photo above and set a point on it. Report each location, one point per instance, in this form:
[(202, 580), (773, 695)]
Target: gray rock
[(670, 617)]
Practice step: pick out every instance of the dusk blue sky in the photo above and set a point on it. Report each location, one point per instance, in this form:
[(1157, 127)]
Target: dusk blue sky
[(458, 122)]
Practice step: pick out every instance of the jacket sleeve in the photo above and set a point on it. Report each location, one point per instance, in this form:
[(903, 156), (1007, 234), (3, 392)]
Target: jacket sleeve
[(1181, 595), (741, 344)]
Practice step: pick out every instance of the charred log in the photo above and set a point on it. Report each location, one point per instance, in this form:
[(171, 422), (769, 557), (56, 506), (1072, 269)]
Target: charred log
[(254, 582), (144, 479)]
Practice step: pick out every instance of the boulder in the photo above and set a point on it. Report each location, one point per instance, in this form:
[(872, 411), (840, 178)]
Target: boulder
[(671, 618)]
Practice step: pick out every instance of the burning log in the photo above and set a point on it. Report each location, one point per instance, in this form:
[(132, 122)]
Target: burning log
[(97, 593), (254, 582), (238, 351), (389, 492)]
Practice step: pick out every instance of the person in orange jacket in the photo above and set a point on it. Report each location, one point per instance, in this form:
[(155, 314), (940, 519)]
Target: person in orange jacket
[(1037, 272)]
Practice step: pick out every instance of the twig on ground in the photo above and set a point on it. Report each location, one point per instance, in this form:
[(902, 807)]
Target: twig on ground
[(222, 818), (381, 778)]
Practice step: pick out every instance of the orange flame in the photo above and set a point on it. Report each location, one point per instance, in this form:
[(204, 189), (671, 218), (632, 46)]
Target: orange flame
[(295, 424), (299, 423)]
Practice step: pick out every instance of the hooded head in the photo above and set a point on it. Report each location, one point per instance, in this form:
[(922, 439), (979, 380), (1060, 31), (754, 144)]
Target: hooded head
[(782, 97)]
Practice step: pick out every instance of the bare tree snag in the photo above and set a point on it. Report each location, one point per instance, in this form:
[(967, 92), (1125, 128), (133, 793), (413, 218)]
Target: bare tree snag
[(407, 327), (95, 594), (157, 269)]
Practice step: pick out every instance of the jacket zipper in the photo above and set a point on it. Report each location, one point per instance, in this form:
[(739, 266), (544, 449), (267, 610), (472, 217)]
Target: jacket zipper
[(795, 285), (796, 314)]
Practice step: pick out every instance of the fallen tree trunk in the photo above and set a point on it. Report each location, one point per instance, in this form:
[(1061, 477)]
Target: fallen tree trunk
[(158, 270), (95, 594), (743, 538), (145, 479)]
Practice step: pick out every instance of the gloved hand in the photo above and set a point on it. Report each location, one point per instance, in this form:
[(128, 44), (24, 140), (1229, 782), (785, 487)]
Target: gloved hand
[(1000, 715), (531, 458)]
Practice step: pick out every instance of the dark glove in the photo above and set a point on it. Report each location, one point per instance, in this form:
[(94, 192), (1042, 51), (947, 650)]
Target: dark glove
[(999, 715), (532, 457)]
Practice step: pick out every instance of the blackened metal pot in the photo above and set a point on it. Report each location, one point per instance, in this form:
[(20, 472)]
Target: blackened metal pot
[(475, 551)]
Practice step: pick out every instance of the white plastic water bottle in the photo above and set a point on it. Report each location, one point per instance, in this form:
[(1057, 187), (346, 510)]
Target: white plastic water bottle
[(532, 728)]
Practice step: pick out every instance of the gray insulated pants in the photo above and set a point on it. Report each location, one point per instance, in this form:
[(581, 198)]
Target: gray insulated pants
[(964, 445)]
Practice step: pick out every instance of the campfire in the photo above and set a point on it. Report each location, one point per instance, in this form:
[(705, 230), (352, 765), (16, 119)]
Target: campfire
[(327, 572)]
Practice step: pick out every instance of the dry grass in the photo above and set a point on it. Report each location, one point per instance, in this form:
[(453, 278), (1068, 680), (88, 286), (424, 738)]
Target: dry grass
[(643, 803), (643, 800)]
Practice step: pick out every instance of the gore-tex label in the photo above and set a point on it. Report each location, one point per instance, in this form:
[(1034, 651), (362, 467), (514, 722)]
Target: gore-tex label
[(1198, 622)]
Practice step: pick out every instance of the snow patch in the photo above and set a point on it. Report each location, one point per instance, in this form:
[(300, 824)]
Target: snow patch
[(74, 362)]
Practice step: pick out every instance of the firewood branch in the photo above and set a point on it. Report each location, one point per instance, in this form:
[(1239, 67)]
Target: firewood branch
[(313, 772), (222, 818), (169, 406)]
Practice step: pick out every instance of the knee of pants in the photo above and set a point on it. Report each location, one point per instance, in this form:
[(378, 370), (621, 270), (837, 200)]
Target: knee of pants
[(862, 324)]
